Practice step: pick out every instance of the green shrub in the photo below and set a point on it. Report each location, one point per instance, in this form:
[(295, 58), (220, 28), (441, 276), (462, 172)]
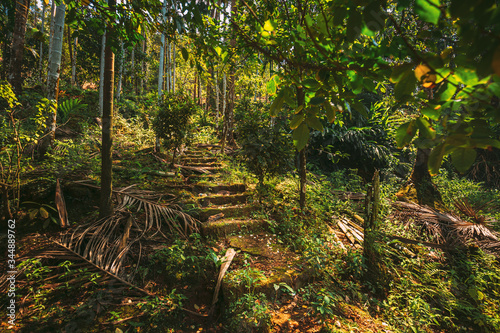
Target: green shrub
[(266, 148), (173, 121)]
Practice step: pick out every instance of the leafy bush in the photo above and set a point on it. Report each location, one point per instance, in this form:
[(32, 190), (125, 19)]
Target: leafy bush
[(250, 313), (266, 148), (173, 121)]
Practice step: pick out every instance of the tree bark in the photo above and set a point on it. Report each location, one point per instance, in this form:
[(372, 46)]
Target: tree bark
[(42, 30), (302, 158), (101, 75), (17, 49), (120, 73), (106, 203), (53, 77), (420, 188)]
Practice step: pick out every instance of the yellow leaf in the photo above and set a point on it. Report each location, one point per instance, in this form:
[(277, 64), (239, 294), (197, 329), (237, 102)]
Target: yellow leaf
[(424, 75), (421, 70), (44, 213)]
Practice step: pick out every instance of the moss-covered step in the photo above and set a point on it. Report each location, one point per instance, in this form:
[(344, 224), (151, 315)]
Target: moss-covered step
[(201, 159), (204, 164), (270, 264), (242, 210), (216, 189), (227, 226), (217, 200)]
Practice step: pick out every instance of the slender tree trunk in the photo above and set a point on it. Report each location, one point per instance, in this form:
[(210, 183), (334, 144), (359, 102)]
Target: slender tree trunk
[(51, 29), (199, 89), (173, 67), (53, 77), (302, 158), (194, 88), (106, 203), (217, 107), (101, 75), (17, 53), (42, 30), (143, 72), (162, 55), (120, 73), (71, 57)]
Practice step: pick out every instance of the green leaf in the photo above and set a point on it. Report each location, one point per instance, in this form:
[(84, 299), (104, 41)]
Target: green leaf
[(463, 158), (330, 110), (273, 84), (436, 158), (269, 26), (300, 136), (277, 104), (297, 120), (405, 133), (310, 84), (405, 86), (317, 100), (425, 129), (354, 24), (428, 10), (399, 71), (315, 123), (185, 54), (431, 112), (448, 92), (361, 108), (374, 17)]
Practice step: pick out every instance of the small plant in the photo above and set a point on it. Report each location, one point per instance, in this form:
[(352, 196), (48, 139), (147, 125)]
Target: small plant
[(250, 313), (173, 121), (44, 211), (324, 303), (69, 107)]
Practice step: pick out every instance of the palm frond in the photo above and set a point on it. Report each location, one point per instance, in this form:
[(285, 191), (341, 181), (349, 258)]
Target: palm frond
[(106, 242)]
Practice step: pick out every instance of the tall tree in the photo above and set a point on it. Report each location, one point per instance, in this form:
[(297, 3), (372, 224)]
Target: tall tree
[(17, 49), (53, 77), (106, 202)]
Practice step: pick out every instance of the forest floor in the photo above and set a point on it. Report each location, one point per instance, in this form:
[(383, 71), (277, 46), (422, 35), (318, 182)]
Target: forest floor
[(292, 270), (58, 291)]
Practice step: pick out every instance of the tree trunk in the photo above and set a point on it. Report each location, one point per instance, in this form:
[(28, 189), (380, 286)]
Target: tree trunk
[(106, 203), (71, 58), (420, 188), (302, 158), (101, 75), (217, 91), (373, 272), (173, 67), (162, 54), (42, 30), (120, 73), (53, 77), (16, 60)]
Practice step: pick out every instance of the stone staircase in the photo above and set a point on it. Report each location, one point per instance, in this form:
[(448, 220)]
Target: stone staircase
[(225, 211)]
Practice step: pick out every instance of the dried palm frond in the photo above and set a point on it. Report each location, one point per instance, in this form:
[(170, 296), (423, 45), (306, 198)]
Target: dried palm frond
[(107, 241), (449, 228), (472, 211)]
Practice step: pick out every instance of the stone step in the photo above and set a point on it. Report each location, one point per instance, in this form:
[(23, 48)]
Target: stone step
[(227, 211), (227, 226), (281, 266), (203, 165), (202, 159), (231, 199), (215, 189)]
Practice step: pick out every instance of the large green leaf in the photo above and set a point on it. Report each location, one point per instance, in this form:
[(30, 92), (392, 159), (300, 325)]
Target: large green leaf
[(296, 120), (405, 133), (405, 86), (428, 10), (273, 84), (330, 110), (463, 158), (432, 112), (277, 104), (436, 158), (314, 122), (425, 129), (300, 136), (310, 84)]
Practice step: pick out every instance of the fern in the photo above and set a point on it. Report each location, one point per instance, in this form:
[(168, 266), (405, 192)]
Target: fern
[(69, 107)]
